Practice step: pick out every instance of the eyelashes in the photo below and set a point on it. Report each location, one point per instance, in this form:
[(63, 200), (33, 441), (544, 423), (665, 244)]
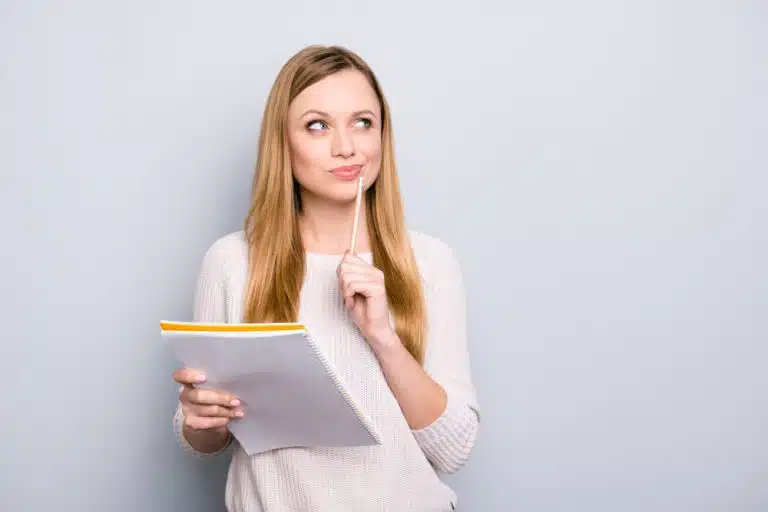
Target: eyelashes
[(313, 125), (319, 124), (366, 122)]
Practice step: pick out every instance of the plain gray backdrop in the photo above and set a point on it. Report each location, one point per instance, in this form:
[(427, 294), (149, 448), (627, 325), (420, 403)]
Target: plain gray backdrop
[(600, 168)]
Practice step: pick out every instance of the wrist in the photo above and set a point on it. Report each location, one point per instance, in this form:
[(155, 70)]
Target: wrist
[(207, 441), (385, 342)]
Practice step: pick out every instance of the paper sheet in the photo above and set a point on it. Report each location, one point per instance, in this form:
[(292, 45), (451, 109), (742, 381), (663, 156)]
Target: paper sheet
[(288, 393)]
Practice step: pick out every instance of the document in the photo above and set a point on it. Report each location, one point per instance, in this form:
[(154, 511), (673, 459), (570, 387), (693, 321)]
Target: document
[(292, 396)]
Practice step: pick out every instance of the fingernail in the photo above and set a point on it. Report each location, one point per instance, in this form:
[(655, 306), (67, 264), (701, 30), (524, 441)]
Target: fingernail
[(235, 402), (239, 414), (200, 378)]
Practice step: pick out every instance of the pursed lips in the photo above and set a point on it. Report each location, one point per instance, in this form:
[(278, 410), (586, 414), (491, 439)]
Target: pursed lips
[(347, 171)]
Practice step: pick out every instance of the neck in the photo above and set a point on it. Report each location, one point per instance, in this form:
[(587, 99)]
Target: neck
[(326, 227)]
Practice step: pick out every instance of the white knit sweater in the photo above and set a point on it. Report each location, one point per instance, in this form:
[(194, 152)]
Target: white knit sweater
[(400, 474)]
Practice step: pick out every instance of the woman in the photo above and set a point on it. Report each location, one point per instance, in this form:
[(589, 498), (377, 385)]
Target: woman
[(389, 312)]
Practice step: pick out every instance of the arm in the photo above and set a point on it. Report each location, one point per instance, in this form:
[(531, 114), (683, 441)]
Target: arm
[(420, 397), (209, 306), (439, 400)]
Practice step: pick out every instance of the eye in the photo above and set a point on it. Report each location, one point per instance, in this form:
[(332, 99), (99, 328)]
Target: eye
[(366, 123), (316, 125)]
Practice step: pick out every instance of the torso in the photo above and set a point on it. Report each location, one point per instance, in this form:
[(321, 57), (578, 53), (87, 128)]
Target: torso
[(394, 476)]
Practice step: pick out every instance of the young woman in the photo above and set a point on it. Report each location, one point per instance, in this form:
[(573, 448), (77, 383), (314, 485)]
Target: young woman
[(389, 312)]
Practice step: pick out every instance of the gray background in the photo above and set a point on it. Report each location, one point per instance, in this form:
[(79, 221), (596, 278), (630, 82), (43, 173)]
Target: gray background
[(599, 167)]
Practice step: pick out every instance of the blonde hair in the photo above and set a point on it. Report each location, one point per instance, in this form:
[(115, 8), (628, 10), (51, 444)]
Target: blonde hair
[(276, 253)]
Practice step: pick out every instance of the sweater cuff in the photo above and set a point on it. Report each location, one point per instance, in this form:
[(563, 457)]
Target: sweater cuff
[(448, 441), (178, 424)]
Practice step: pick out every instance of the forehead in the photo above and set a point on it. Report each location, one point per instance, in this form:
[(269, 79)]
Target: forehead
[(337, 94)]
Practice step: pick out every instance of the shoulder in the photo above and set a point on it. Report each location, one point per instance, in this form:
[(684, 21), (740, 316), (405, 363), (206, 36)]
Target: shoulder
[(429, 247), (436, 259), (227, 254)]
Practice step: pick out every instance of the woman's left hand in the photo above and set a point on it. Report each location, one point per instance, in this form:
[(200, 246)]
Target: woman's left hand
[(364, 294)]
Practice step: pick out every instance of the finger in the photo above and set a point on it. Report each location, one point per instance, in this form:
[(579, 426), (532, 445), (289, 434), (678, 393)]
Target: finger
[(362, 270), (359, 268), (213, 411), (345, 279), (354, 301), (351, 257), (205, 422), (354, 281), (188, 376), (353, 261), (366, 270), (346, 267), (203, 396), (363, 287)]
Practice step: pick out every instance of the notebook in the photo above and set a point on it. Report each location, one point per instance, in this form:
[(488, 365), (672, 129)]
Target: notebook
[(291, 394)]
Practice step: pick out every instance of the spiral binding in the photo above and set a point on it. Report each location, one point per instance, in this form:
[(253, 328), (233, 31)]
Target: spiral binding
[(367, 423)]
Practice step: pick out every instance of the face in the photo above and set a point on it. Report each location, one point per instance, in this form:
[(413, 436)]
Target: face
[(334, 134)]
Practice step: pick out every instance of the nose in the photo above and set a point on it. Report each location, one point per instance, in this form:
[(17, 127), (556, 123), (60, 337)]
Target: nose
[(342, 144)]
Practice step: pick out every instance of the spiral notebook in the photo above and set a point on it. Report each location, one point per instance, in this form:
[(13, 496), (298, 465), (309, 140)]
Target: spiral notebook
[(291, 394)]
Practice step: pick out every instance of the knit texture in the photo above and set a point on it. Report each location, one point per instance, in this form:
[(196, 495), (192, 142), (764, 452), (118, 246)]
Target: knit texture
[(402, 473)]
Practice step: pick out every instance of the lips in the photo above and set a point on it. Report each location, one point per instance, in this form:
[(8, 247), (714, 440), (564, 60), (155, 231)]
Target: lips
[(347, 172)]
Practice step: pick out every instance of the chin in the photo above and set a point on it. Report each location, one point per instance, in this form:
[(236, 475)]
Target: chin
[(340, 196), (336, 195)]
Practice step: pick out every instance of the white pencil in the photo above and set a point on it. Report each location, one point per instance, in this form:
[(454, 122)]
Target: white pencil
[(358, 202)]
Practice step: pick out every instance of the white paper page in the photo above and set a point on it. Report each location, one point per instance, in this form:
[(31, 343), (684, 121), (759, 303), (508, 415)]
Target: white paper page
[(288, 396)]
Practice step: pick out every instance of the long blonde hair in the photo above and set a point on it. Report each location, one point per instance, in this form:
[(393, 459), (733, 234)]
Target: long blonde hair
[(276, 254)]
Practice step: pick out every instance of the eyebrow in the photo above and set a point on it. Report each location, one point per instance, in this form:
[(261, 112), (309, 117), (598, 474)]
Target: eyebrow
[(325, 114)]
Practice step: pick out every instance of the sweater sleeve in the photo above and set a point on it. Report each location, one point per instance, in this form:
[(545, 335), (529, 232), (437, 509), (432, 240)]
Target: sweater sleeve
[(448, 441), (209, 305)]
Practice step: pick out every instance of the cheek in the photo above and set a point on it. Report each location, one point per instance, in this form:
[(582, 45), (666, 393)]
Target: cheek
[(307, 155), (370, 146)]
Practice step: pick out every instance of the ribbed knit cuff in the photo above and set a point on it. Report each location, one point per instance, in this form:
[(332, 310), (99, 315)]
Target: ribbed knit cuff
[(178, 424), (447, 442)]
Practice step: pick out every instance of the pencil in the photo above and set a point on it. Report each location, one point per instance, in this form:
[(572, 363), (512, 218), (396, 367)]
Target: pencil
[(358, 202)]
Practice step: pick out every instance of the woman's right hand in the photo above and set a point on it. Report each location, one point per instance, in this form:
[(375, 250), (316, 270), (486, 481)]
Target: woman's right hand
[(203, 408)]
